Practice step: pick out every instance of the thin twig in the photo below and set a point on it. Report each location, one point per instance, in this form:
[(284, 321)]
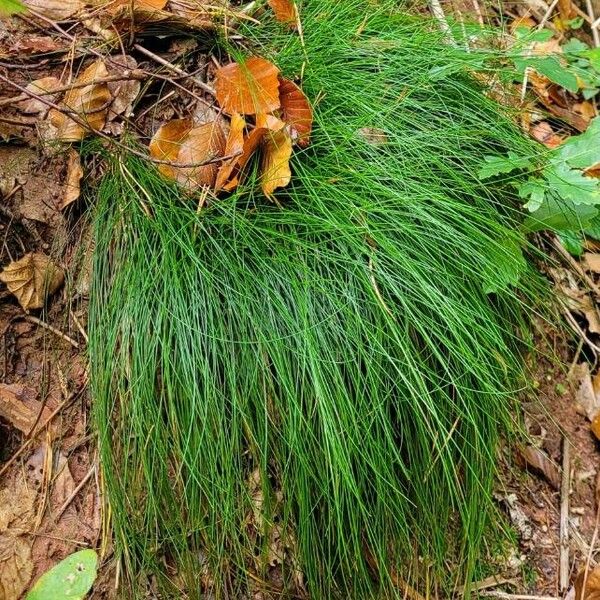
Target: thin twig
[(73, 116), (55, 331), (76, 491), (438, 12), (590, 11), (575, 266), (175, 69), (135, 74), (507, 596), (564, 566)]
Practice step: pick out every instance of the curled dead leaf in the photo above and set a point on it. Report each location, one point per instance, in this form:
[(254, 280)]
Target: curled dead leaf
[(234, 145), (248, 88), (57, 10), (251, 144), (202, 143), (179, 142), (296, 111), (285, 10), (270, 122), (32, 279), (591, 579), (89, 102), (39, 86), (122, 92), (73, 182), (539, 461), (276, 171)]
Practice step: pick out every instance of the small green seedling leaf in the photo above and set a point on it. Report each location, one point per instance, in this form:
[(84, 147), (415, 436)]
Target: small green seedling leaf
[(11, 7), (581, 151), (572, 242), (535, 190), (70, 579), (575, 23), (497, 165)]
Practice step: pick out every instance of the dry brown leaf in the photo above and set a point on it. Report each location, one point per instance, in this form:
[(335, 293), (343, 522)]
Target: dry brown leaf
[(585, 109), (166, 143), (296, 111), (16, 517), (248, 88), (234, 145), (543, 133), (592, 585), (285, 10), (34, 44), (32, 279), (34, 106), (57, 10), (90, 102), (276, 171), (251, 144), (137, 4), (195, 13), (373, 136), (202, 143), (123, 92), (180, 142), (270, 122), (591, 262), (20, 408), (73, 183), (539, 461)]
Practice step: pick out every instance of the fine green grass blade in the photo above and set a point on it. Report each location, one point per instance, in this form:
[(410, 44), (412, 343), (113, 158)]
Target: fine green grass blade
[(356, 352)]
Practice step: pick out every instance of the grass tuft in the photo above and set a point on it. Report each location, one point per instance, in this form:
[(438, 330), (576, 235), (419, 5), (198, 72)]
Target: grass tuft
[(356, 352)]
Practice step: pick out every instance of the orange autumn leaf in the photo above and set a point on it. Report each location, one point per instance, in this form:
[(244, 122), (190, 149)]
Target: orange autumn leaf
[(296, 111), (166, 143), (285, 10), (248, 88), (251, 144), (202, 143), (277, 152), (270, 122), (234, 146), (180, 143)]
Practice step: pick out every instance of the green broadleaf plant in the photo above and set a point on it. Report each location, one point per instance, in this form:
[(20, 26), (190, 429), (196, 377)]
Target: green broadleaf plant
[(11, 7), (70, 579)]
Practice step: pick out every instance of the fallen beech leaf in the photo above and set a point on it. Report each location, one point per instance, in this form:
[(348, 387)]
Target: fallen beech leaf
[(285, 10), (166, 143), (123, 92), (544, 134), (201, 143), (32, 279), (20, 407), (270, 122), (592, 585), (295, 111), (73, 183), (90, 102), (373, 135), (248, 88), (33, 105), (57, 10), (178, 141), (592, 262), (251, 143), (540, 461), (234, 145), (585, 109), (138, 4), (16, 567), (276, 171)]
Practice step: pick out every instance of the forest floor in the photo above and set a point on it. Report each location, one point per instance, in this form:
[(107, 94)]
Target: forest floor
[(50, 487)]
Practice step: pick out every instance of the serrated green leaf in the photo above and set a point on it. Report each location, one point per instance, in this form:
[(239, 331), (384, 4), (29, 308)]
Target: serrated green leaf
[(573, 185), (593, 56), (70, 579), (497, 165), (572, 241), (11, 7), (535, 190), (581, 151), (575, 23), (555, 72), (558, 214), (575, 46), (533, 35)]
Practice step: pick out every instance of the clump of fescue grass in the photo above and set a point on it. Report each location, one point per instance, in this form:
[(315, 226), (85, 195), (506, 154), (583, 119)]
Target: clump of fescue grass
[(358, 347)]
